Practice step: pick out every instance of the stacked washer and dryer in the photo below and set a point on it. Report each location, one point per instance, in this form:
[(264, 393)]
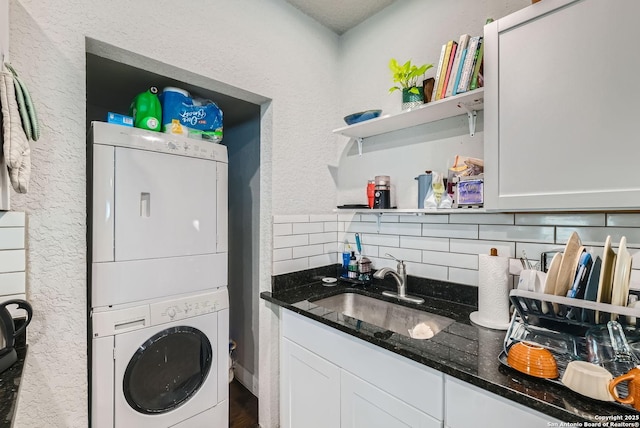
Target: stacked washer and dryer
[(159, 306)]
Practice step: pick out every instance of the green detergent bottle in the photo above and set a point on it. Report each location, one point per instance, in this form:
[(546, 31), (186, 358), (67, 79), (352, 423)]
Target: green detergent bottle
[(146, 110)]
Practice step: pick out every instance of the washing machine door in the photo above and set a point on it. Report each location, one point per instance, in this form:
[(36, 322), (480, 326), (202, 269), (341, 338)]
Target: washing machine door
[(168, 377)]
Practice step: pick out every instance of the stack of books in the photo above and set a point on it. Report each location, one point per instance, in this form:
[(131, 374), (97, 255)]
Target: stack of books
[(459, 68)]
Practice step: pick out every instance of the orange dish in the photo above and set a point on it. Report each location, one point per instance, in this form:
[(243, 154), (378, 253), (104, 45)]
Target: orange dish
[(533, 360)]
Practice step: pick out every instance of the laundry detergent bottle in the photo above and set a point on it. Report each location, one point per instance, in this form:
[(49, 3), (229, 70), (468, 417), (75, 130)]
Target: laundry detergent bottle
[(146, 110)]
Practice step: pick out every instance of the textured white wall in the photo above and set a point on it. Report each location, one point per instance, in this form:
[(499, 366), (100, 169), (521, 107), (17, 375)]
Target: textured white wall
[(416, 30), (265, 47)]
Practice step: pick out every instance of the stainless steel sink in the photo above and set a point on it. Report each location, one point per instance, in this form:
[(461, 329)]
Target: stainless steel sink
[(390, 316)]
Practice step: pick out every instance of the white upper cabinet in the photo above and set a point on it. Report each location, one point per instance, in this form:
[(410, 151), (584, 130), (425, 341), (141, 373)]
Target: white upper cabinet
[(561, 107)]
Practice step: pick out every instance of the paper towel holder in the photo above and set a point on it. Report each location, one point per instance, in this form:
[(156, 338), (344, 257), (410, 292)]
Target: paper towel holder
[(476, 318)]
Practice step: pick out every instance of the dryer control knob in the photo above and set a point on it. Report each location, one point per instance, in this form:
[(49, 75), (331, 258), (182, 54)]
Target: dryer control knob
[(171, 312)]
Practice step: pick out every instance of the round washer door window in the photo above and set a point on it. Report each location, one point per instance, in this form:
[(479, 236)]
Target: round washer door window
[(167, 370)]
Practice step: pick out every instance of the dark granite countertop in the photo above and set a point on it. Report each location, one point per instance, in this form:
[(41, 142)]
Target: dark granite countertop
[(462, 350)]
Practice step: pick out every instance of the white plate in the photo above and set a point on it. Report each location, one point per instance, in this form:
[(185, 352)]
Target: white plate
[(606, 276), (621, 275)]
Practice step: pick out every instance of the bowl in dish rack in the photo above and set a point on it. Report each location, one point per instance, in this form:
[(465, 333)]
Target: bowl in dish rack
[(362, 116)]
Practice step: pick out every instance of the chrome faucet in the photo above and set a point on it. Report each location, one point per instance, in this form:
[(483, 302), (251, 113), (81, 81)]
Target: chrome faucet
[(400, 275)]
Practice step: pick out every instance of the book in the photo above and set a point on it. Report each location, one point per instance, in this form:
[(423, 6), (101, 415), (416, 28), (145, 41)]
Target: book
[(454, 48), (463, 56), (443, 72), (462, 45), (437, 77), (467, 69), (477, 70)]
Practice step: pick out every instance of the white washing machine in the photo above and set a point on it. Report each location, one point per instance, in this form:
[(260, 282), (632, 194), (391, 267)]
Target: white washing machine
[(158, 297), (162, 364)]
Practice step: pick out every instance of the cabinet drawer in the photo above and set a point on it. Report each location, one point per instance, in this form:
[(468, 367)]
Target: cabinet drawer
[(469, 406), (411, 382)]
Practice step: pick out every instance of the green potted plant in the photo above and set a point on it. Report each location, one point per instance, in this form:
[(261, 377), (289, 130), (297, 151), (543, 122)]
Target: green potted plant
[(406, 77)]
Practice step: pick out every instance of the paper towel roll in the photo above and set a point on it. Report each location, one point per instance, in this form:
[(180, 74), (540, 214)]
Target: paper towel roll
[(493, 292)]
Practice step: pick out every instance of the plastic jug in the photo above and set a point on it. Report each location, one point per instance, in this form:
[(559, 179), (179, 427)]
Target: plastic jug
[(424, 185), (146, 110)]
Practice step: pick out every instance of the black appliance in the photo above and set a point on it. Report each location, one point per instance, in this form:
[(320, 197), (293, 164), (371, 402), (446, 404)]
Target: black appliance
[(8, 332)]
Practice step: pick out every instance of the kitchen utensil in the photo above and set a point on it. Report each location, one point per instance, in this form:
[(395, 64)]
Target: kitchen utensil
[(588, 379), (633, 379), (361, 116), (621, 275), (358, 245), (591, 292), (606, 277), (533, 360), (8, 333)]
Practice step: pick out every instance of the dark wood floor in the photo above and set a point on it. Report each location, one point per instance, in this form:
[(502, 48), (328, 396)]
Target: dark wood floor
[(243, 407)]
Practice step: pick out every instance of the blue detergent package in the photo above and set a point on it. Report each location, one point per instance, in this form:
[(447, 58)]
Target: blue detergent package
[(195, 118)]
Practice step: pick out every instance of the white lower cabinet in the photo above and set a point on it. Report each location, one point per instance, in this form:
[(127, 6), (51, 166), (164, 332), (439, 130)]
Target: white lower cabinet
[(310, 393), (330, 379), (362, 405), (469, 406)]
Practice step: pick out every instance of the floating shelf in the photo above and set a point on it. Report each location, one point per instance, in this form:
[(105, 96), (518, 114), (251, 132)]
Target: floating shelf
[(414, 211), (467, 103)]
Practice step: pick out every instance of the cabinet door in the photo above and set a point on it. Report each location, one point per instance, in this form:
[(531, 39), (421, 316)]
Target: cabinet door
[(468, 406), (561, 107), (309, 389), (365, 406)]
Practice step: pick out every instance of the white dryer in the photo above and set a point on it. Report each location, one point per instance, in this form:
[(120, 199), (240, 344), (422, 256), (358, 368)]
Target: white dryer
[(158, 224), (162, 364)]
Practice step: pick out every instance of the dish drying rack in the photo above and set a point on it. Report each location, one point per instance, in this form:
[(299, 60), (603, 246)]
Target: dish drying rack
[(549, 313)]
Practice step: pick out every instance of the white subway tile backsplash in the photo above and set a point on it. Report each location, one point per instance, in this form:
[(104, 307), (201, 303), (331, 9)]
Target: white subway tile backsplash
[(323, 238), (322, 260), (597, 235), (11, 238), (440, 273), (569, 219), (468, 246), (374, 239), (280, 229), (12, 219), (12, 261), (323, 218), (518, 233), (12, 283), (533, 250), (463, 276), (424, 243), (288, 266), (623, 219), (438, 246), (450, 230), (464, 261), (282, 254), (308, 250), (426, 218), (301, 218), (413, 229), (290, 241), (330, 226), (348, 217), (384, 218), (300, 228), (405, 254), (477, 218)]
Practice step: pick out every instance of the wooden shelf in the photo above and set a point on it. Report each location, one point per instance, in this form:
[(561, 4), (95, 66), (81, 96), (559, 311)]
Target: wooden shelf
[(466, 103)]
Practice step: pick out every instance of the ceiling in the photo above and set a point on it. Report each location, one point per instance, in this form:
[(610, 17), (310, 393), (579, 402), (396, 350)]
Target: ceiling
[(340, 15)]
